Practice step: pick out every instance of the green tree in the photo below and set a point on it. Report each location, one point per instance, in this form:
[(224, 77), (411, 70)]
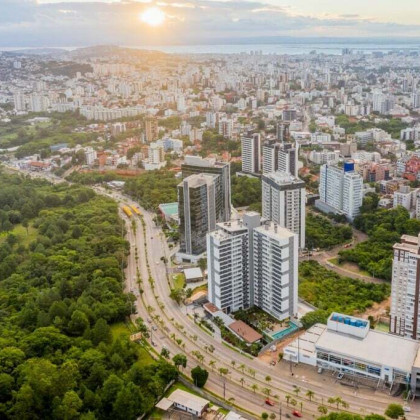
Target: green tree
[(394, 411), (199, 376), (180, 360)]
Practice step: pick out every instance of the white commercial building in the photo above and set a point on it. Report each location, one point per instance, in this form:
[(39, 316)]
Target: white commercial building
[(252, 262), (348, 345), (340, 190), (251, 154), (283, 202)]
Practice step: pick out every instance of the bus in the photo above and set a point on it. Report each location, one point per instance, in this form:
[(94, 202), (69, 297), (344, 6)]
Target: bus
[(136, 210), (127, 211)]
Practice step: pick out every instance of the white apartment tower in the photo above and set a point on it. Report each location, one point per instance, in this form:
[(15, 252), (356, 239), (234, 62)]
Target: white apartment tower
[(275, 270), (405, 288), (280, 157), (270, 157), (251, 154), (283, 202), (253, 262), (288, 159), (340, 190)]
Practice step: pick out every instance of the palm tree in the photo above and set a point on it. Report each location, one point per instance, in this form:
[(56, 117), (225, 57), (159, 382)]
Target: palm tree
[(332, 400), (268, 378), (233, 363), (288, 397), (254, 387), (242, 380), (293, 402), (322, 409), (310, 394), (266, 391), (252, 372), (212, 363), (242, 367)]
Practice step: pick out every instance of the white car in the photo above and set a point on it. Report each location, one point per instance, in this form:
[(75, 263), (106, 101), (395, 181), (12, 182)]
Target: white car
[(406, 408)]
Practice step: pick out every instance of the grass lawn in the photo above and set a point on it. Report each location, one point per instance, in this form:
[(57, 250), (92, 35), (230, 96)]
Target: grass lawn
[(178, 280), (121, 329), (24, 238), (118, 329)]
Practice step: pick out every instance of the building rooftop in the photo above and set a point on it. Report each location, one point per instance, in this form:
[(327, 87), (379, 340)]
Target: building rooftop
[(193, 273), (274, 230), (377, 347), (244, 331), (283, 178), (194, 402), (197, 180)]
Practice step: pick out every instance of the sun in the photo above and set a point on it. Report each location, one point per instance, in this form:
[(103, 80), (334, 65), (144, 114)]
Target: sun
[(153, 16)]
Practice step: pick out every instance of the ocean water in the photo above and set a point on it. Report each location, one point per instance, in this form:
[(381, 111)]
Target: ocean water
[(284, 48), (289, 48)]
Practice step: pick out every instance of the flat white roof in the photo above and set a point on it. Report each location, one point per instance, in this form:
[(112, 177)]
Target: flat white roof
[(193, 273), (377, 347), (189, 400)]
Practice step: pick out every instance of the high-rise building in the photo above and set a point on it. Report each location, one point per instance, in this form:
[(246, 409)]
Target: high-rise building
[(197, 213), (283, 202), (288, 159), (151, 129), (275, 270), (340, 190), (251, 154), (270, 157), (196, 165), (283, 131), (253, 262), (19, 101), (405, 288)]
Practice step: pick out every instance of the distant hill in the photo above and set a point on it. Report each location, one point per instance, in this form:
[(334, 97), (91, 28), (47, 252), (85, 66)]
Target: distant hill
[(110, 50)]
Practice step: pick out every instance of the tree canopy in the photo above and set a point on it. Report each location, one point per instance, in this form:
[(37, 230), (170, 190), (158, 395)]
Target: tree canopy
[(61, 288)]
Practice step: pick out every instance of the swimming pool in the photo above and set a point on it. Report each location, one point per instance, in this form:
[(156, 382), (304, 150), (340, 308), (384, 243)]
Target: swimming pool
[(283, 333)]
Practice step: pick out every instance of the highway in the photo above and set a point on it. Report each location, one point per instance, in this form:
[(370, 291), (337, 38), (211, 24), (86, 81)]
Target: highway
[(172, 329), (176, 325)]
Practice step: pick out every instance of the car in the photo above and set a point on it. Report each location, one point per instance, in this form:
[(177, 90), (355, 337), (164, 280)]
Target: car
[(320, 370), (269, 402), (154, 328), (340, 376), (297, 413), (407, 409)]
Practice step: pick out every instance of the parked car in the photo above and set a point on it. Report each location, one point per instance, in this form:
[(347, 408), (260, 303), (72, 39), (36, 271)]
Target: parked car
[(269, 402), (297, 413)]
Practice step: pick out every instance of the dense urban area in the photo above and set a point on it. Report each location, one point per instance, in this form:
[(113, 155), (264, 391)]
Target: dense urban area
[(226, 236)]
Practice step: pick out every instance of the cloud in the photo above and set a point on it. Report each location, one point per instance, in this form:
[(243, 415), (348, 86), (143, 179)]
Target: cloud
[(79, 23)]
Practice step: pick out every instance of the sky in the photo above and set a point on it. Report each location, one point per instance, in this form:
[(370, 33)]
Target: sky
[(49, 23)]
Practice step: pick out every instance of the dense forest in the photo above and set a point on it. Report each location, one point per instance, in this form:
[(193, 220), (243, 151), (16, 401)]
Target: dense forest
[(61, 289), (153, 188), (330, 292), (384, 228), (321, 232)]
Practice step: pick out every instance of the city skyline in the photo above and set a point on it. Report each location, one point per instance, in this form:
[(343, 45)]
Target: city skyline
[(45, 23)]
